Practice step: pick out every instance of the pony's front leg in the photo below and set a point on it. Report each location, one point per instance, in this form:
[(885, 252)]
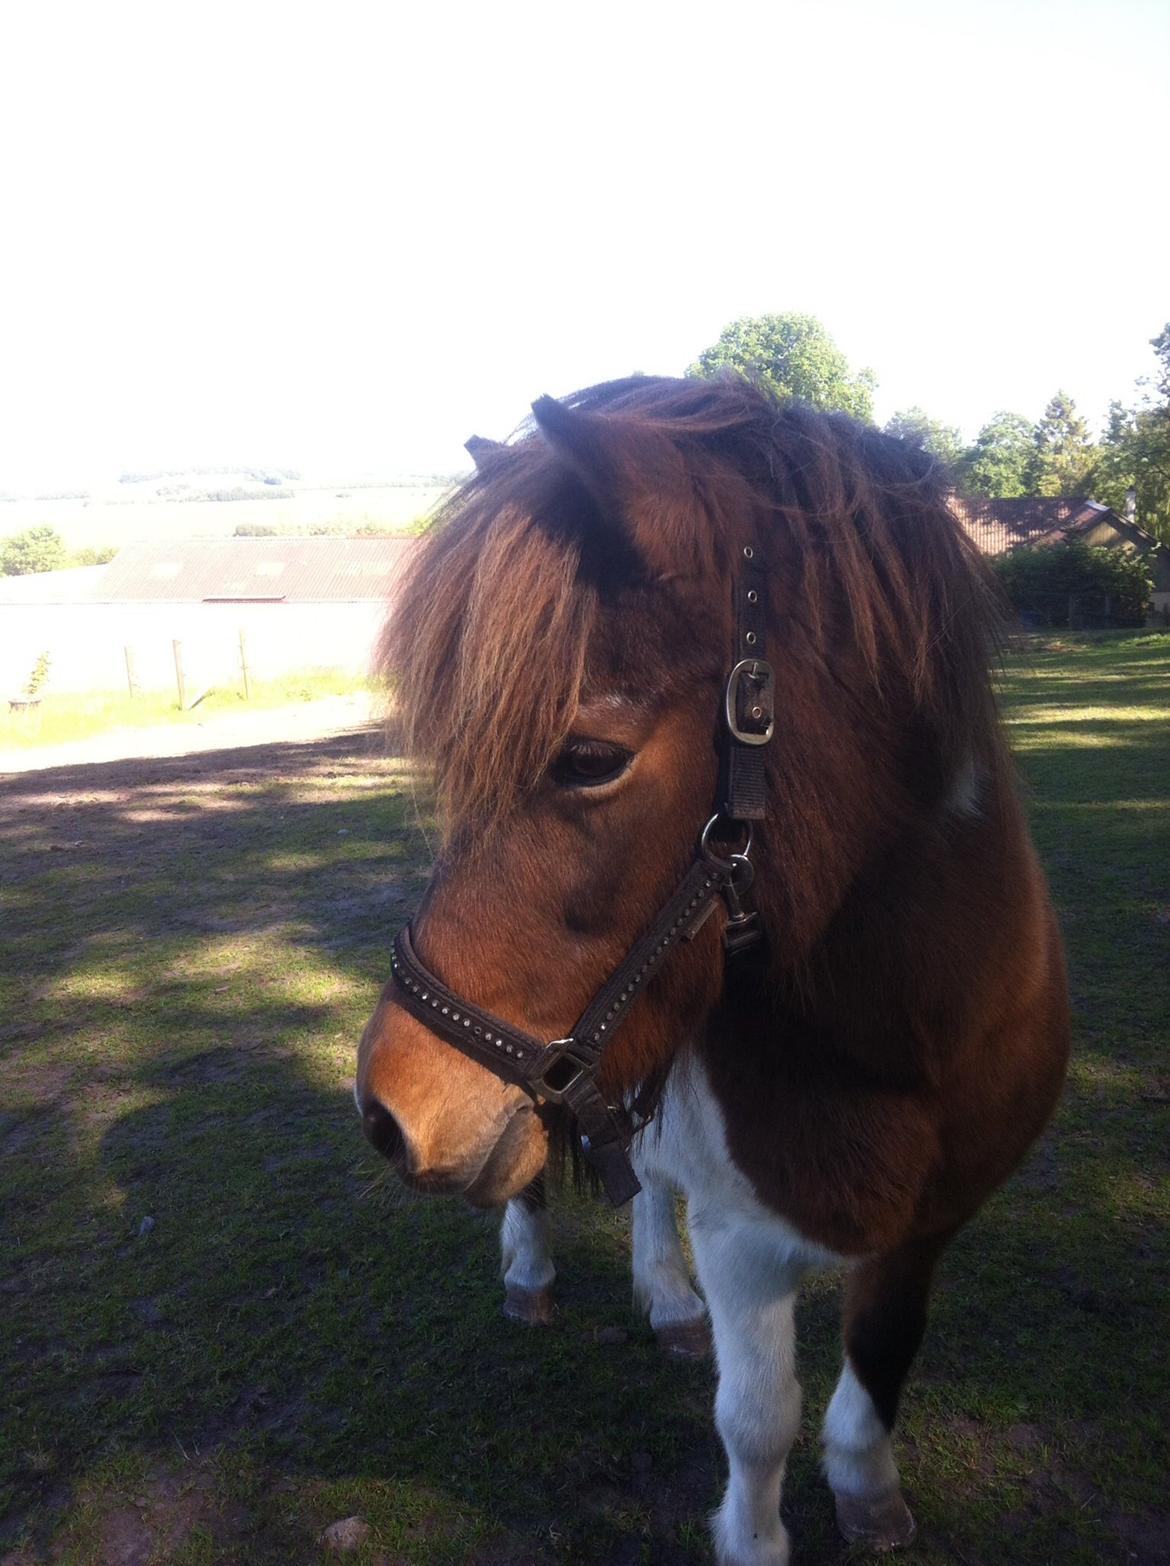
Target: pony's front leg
[(526, 1259), (750, 1285), (662, 1279)]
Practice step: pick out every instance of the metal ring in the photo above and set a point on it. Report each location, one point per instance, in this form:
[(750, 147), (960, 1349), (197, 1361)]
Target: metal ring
[(728, 866)]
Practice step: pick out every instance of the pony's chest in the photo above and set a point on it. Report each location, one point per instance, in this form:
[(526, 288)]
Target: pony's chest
[(835, 1175), (687, 1146)]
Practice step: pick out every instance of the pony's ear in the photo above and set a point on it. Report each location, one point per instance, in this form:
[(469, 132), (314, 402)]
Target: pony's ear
[(482, 451), (635, 477), (585, 445)]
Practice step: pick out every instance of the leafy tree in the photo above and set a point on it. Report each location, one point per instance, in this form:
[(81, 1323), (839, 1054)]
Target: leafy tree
[(36, 549), (1000, 462), (1135, 451), (794, 356), (1065, 456), (919, 429), (1161, 347)]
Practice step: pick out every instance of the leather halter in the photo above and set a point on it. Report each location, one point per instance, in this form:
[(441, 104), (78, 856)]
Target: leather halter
[(565, 1070)]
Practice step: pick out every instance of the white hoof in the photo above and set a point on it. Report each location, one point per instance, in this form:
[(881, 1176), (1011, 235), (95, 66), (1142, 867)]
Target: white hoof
[(532, 1307), (881, 1524)]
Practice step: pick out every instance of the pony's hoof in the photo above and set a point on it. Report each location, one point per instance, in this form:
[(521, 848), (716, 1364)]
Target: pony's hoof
[(532, 1307), (881, 1524), (685, 1339)]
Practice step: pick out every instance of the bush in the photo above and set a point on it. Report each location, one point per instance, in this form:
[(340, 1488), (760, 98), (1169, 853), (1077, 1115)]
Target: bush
[(36, 549), (1102, 582)]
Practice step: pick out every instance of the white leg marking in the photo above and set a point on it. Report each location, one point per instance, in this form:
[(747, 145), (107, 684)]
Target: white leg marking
[(750, 1283), (749, 1262), (859, 1461), (526, 1261), (662, 1279)]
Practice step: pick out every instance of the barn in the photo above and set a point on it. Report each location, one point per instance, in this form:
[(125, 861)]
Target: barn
[(297, 604)]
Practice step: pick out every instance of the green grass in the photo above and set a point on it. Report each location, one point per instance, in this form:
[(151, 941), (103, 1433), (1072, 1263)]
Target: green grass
[(74, 716), (191, 947)]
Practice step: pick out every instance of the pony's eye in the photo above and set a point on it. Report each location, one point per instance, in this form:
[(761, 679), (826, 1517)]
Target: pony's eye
[(588, 763)]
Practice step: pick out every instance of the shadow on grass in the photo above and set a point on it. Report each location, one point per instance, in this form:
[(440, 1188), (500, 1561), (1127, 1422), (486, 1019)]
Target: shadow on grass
[(211, 1286)]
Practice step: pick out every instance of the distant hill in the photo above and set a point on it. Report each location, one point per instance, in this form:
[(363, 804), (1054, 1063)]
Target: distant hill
[(214, 503)]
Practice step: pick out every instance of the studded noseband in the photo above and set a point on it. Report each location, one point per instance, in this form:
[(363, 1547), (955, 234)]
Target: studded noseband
[(565, 1071)]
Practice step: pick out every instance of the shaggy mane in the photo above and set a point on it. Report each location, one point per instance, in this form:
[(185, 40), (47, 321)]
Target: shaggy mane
[(489, 639)]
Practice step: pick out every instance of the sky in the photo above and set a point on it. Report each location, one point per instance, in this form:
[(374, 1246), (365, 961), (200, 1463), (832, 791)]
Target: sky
[(346, 236)]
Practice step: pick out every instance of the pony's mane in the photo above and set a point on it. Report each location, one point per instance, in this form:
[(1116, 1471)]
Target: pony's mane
[(488, 642)]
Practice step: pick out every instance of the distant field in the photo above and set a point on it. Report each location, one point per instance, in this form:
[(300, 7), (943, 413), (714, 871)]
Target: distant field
[(222, 1327), (117, 514)]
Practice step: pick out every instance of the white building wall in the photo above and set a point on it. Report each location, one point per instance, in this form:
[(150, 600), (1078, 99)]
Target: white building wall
[(86, 643)]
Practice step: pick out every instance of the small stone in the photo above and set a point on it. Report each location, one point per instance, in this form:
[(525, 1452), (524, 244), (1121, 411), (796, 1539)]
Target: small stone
[(145, 1227), (348, 1534), (610, 1335)]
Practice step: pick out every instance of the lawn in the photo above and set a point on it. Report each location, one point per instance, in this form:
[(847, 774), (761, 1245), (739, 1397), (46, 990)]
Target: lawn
[(60, 717), (223, 1329)]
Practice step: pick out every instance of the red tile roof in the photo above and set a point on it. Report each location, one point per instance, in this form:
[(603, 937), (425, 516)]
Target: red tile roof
[(999, 525)]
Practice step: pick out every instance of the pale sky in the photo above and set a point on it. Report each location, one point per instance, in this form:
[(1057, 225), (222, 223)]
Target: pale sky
[(345, 236)]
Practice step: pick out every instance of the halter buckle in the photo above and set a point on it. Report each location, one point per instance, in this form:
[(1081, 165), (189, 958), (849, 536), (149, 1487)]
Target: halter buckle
[(570, 1068), (760, 704)]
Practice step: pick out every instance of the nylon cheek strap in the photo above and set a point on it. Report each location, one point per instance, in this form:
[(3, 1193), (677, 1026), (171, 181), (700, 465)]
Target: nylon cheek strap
[(749, 700)]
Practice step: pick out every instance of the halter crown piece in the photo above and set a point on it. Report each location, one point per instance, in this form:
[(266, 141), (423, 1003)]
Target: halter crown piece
[(564, 1071)]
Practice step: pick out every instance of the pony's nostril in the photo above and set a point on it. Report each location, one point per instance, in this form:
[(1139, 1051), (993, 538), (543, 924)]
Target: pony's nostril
[(382, 1131)]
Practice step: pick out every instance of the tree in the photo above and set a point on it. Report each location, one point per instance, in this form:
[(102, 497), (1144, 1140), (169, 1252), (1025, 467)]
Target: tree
[(916, 427), (1135, 451), (999, 465), (794, 356), (1161, 347), (36, 549), (1065, 456)]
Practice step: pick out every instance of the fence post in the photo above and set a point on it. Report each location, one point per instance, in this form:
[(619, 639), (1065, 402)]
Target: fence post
[(244, 663), (177, 648), (131, 679)]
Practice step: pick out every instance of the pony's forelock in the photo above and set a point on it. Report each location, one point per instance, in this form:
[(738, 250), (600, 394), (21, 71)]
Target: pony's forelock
[(489, 638)]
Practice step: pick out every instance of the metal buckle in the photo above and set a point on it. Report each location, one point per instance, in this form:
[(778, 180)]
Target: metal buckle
[(552, 1091), (760, 670)]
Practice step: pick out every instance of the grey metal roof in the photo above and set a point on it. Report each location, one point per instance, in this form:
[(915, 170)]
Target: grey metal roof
[(250, 570)]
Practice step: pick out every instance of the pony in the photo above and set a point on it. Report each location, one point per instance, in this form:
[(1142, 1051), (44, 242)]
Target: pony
[(849, 1089)]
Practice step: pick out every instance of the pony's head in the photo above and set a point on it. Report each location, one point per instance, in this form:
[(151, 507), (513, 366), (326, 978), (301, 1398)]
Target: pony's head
[(560, 649)]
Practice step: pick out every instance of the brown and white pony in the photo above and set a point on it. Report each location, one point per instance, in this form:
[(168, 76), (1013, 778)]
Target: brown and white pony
[(854, 1093)]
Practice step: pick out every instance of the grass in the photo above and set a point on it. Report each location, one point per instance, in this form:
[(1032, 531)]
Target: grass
[(223, 1330), (80, 715)]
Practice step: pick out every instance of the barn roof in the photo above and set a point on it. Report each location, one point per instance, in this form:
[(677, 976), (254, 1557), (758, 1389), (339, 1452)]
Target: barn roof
[(329, 569), (999, 525)]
